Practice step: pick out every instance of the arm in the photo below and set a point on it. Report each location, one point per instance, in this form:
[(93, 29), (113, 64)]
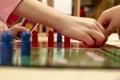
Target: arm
[(110, 19), (84, 29), (6, 8), (15, 28), (39, 12)]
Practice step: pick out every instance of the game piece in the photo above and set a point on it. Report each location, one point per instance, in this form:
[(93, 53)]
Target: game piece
[(59, 45), (35, 51), (25, 48), (59, 40), (66, 42), (25, 43), (82, 11), (51, 38), (7, 48), (49, 56), (67, 53), (35, 38), (35, 56), (50, 44), (29, 24)]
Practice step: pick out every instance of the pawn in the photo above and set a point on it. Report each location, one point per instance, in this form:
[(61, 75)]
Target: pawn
[(25, 43), (51, 38), (35, 38), (59, 40), (66, 42), (7, 48), (25, 48)]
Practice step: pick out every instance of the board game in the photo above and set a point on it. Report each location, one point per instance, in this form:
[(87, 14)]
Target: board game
[(62, 53), (73, 57)]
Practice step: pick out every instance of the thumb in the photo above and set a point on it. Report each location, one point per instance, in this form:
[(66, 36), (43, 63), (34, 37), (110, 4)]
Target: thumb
[(104, 21), (111, 28)]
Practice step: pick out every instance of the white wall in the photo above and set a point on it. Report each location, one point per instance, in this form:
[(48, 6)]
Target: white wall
[(63, 5)]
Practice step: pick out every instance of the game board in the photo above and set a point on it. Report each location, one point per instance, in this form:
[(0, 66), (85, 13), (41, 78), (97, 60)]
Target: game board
[(73, 57), (57, 53)]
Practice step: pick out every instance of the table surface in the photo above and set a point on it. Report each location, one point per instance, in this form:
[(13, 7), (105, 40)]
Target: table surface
[(22, 73), (12, 73)]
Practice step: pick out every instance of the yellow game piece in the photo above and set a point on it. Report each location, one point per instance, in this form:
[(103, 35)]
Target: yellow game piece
[(29, 26)]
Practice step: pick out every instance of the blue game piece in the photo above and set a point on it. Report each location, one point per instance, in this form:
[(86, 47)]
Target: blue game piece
[(7, 48), (59, 40), (25, 47), (59, 44), (25, 43)]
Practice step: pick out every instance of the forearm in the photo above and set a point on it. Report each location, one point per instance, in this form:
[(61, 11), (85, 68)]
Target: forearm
[(82, 29), (39, 12)]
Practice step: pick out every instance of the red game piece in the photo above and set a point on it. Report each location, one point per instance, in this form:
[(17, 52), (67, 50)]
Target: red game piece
[(82, 12), (51, 38), (35, 38), (66, 42)]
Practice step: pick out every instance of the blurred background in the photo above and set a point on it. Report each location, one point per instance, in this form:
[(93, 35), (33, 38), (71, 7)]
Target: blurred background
[(85, 8)]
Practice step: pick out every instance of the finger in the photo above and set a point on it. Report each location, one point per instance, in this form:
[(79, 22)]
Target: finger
[(83, 37), (87, 40), (96, 26), (104, 21), (19, 24), (98, 38), (100, 28), (110, 29), (17, 29), (2, 27), (101, 19)]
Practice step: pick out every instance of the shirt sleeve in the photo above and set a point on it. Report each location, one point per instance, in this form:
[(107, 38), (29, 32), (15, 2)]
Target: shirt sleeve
[(6, 9)]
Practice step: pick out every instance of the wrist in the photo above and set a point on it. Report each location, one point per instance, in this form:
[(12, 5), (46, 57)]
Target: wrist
[(60, 21)]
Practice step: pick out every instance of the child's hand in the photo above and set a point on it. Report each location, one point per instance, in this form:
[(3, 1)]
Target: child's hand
[(16, 29), (110, 19), (87, 30), (2, 27)]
